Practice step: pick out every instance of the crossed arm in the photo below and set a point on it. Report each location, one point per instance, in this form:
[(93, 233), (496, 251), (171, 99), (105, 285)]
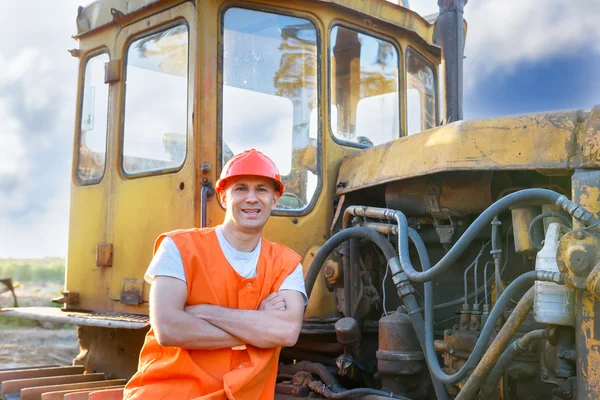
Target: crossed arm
[(276, 323)]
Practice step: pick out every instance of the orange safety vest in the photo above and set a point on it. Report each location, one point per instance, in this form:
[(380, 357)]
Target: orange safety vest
[(176, 373)]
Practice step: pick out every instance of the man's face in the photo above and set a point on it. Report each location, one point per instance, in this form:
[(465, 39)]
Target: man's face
[(248, 201)]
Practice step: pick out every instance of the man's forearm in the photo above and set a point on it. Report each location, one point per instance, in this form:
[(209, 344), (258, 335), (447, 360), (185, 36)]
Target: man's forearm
[(185, 331), (263, 329)]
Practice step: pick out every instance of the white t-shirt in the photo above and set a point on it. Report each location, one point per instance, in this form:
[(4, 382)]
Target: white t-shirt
[(167, 261)]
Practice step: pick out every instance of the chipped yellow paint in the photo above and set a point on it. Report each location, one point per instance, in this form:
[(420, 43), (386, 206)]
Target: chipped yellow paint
[(530, 142), (588, 352), (585, 192)]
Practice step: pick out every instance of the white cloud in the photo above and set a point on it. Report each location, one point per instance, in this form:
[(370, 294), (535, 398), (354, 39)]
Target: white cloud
[(503, 34), (38, 81), (12, 150)]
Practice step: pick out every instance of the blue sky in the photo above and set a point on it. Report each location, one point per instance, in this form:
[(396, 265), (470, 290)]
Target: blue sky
[(522, 56)]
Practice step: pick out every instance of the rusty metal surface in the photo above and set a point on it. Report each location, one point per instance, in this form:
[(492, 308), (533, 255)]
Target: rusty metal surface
[(577, 254), (454, 194), (591, 139), (104, 255), (103, 320), (99, 14), (546, 141), (521, 219), (586, 192)]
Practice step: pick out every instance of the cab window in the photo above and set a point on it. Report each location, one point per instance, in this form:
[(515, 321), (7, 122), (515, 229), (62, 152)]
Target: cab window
[(269, 93), (364, 88), (156, 98), (420, 94), (93, 121)]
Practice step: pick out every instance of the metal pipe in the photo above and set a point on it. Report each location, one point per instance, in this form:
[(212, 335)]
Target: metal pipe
[(497, 253), (354, 275), (205, 193), (508, 331), (345, 251), (516, 348), (357, 233), (450, 27), (485, 279)]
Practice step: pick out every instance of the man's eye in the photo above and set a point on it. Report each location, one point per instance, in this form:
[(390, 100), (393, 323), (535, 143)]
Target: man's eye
[(240, 188)]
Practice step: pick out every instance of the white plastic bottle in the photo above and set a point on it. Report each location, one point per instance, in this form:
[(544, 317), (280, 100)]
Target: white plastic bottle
[(553, 303)]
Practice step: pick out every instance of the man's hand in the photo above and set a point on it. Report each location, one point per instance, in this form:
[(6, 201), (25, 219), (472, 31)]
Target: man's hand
[(272, 302)]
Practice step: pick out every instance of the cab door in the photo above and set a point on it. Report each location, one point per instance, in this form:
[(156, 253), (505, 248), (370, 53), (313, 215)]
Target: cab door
[(152, 187)]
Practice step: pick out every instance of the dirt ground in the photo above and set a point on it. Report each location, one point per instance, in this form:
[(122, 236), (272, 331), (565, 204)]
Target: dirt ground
[(24, 343)]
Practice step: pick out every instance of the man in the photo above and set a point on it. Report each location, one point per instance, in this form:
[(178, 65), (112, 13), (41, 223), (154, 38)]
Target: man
[(223, 301)]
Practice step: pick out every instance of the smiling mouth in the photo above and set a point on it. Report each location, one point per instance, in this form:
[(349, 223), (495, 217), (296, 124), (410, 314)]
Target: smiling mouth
[(251, 211)]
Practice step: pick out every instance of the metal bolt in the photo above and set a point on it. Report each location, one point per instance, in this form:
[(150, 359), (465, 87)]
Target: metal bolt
[(578, 260), (205, 168), (579, 235), (329, 271)]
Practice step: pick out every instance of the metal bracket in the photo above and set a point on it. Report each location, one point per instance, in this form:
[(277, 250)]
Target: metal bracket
[(112, 71), (132, 292)]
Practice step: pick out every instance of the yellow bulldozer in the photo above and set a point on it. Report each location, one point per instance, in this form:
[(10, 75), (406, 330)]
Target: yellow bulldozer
[(443, 258)]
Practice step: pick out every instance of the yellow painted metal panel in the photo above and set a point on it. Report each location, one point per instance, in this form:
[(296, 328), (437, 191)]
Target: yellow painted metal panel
[(531, 142), (144, 207)]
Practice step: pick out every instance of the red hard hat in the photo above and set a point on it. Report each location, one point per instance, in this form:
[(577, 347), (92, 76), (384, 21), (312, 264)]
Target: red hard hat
[(250, 162)]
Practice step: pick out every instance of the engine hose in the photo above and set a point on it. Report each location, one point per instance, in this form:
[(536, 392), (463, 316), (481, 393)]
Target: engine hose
[(508, 331), (562, 216), (517, 285), (393, 264), (527, 195), (438, 386), (517, 347), (330, 245), (322, 389), (314, 368)]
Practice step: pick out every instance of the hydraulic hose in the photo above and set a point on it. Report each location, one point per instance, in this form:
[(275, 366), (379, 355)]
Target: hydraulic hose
[(323, 390), (438, 386), (508, 331), (527, 195), (339, 238), (517, 347), (393, 264), (516, 286), (562, 216)]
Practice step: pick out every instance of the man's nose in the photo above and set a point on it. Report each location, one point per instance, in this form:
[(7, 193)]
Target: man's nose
[(252, 197)]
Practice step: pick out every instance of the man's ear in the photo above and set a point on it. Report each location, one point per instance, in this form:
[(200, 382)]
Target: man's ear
[(223, 197), (276, 197)]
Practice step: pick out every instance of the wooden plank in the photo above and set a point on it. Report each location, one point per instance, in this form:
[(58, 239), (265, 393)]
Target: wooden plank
[(110, 394), (16, 385), (90, 387), (85, 395), (40, 373), (24, 368)]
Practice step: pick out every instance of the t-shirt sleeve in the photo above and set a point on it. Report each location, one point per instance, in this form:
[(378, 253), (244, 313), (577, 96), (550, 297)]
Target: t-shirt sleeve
[(167, 261), (295, 281)]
